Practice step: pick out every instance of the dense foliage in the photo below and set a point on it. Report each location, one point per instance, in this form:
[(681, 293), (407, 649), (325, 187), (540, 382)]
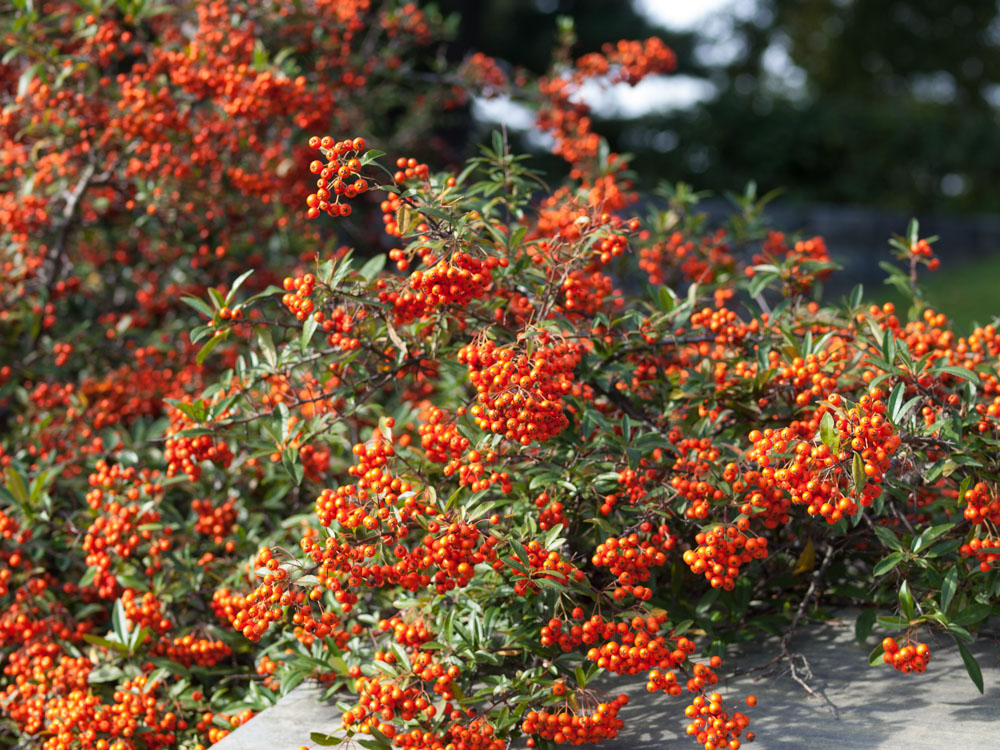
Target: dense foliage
[(457, 476)]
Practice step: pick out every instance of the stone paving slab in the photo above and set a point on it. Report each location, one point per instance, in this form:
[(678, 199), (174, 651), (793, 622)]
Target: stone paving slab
[(877, 707)]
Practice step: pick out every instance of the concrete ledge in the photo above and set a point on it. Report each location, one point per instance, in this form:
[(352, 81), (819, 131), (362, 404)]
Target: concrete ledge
[(877, 708)]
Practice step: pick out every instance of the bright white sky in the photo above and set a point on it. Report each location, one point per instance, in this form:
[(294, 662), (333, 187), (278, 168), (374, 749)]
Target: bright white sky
[(681, 15)]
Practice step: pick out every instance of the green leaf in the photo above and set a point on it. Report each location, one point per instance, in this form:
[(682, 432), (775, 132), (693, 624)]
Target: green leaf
[(207, 349), (266, 344), (888, 563), (864, 624), (895, 402), (888, 538), (326, 740), (119, 622), (906, 603), (948, 588), (875, 657), (929, 535), (17, 486), (893, 623), (373, 267), (971, 665), (199, 305), (828, 432), (960, 372), (858, 470), (972, 614), (237, 284), (308, 329)]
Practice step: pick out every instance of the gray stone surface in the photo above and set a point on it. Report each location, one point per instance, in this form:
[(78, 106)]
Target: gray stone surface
[(877, 707)]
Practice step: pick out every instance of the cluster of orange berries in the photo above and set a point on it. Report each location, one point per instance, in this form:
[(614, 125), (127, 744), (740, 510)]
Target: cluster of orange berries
[(381, 700), (575, 728), (455, 280), (542, 563), (339, 179), (985, 550), (254, 614), (443, 444), (214, 521), (407, 634), (188, 650), (906, 659), (680, 255), (521, 393), (725, 324), (298, 291), (552, 512), (629, 558), (185, 453), (720, 553), (453, 549), (641, 647), (922, 249), (695, 459), (116, 535), (478, 735), (982, 506), (145, 611), (367, 503), (714, 727), (873, 437)]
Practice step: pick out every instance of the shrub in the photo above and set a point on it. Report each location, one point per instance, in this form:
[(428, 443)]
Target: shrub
[(462, 486)]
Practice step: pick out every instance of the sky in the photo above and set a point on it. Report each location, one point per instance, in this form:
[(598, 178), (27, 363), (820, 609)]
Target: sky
[(680, 15)]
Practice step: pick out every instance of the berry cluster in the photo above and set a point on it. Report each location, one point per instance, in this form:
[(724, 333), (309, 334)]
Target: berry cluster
[(985, 550), (982, 507), (521, 392), (339, 179), (575, 727), (190, 651), (715, 727), (629, 559), (455, 280), (214, 521), (407, 634), (906, 659), (551, 512), (720, 553), (185, 453)]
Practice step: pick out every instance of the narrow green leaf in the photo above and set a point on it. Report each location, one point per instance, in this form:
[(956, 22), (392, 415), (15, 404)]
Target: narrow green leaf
[(828, 432), (858, 469), (948, 588), (199, 305), (864, 624), (906, 603), (373, 267), (266, 344), (895, 401), (237, 284), (207, 349), (972, 614), (888, 538), (17, 486), (875, 657), (888, 563), (308, 329), (971, 665)]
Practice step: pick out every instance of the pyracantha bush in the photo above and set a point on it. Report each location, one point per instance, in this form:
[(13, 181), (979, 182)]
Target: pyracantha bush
[(514, 438)]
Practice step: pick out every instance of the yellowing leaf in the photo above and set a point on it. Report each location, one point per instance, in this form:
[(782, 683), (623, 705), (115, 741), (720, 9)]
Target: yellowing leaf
[(807, 560)]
